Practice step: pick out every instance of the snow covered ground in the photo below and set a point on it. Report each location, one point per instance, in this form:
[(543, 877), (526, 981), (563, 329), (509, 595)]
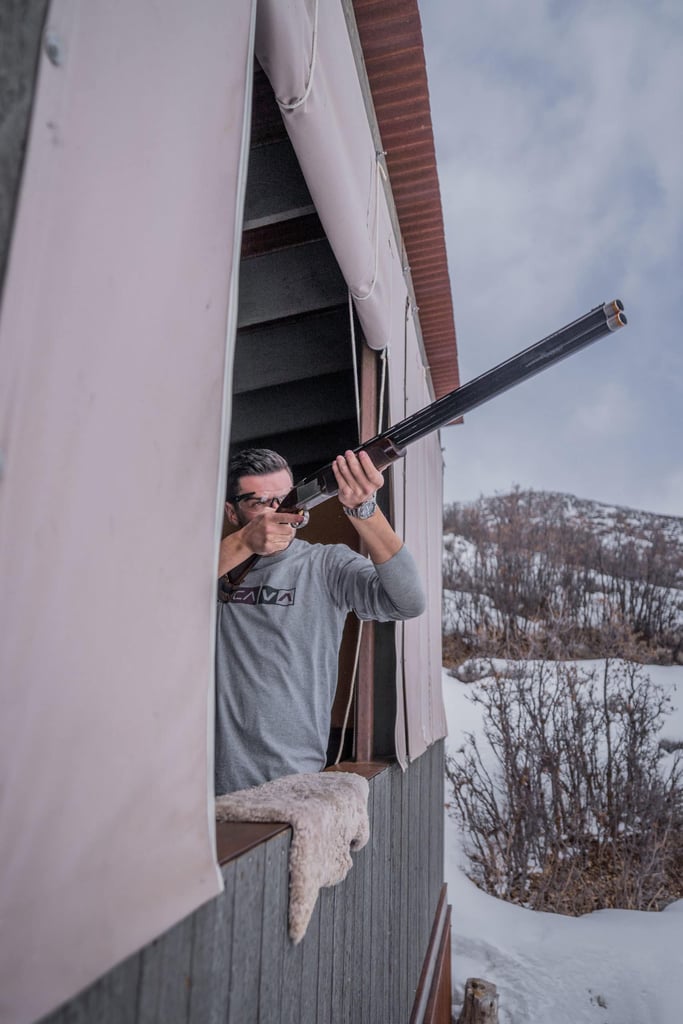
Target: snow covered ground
[(608, 967)]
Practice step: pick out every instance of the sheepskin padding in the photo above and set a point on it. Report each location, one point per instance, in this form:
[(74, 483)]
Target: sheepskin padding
[(329, 818)]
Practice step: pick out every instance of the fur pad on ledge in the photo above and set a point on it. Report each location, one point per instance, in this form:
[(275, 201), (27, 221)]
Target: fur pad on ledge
[(328, 813)]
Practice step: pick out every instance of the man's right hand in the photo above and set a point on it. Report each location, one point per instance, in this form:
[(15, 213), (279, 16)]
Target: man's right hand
[(270, 531), (266, 534)]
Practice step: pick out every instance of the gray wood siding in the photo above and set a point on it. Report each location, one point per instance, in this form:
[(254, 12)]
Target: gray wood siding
[(359, 963)]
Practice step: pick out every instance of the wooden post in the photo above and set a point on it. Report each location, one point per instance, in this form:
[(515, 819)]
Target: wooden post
[(481, 1003), (365, 687)]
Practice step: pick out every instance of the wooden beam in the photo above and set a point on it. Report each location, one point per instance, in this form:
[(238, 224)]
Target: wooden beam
[(365, 686), (288, 282), (298, 348), (275, 184), (303, 226), (21, 35), (306, 450), (267, 125), (438, 1009), (427, 997), (292, 406)]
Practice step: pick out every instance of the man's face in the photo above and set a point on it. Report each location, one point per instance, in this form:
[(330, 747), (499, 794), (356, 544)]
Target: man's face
[(267, 489)]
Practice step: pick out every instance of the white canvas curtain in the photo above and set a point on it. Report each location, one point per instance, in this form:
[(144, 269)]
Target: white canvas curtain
[(305, 49), (418, 504), (115, 349)]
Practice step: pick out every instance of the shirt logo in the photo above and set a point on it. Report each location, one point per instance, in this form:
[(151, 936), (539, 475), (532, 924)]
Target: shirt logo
[(257, 595)]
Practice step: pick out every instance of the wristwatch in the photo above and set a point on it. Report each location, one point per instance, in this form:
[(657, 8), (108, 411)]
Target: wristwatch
[(362, 511)]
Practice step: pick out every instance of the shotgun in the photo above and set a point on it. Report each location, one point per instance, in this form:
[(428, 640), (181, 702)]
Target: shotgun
[(391, 444)]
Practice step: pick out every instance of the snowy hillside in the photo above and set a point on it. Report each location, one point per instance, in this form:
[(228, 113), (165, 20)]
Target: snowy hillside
[(609, 522), (530, 568)]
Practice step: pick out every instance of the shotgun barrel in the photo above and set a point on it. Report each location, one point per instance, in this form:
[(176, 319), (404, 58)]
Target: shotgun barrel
[(391, 444)]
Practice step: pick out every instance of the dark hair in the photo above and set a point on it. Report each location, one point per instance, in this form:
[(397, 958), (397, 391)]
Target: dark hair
[(253, 462)]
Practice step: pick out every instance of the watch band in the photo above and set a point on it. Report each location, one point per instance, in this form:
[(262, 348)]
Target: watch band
[(362, 511)]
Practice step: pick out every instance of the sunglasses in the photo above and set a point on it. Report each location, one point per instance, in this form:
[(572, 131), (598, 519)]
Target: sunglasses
[(250, 501)]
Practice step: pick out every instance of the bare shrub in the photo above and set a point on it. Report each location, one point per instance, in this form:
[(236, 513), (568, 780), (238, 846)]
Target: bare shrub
[(566, 806), (536, 561)]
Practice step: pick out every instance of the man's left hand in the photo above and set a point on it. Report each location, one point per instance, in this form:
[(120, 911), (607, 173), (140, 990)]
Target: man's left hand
[(357, 478)]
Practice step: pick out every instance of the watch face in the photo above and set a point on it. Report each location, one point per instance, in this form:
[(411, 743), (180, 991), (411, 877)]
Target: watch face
[(365, 510), (362, 511)]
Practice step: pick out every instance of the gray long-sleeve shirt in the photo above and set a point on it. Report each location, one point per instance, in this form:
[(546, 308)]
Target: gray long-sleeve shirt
[(277, 647)]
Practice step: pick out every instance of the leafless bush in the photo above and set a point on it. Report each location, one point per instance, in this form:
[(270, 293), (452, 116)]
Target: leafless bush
[(566, 806), (535, 568)]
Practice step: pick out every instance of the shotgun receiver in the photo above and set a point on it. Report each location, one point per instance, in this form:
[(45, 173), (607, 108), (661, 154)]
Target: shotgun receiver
[(391, 444)]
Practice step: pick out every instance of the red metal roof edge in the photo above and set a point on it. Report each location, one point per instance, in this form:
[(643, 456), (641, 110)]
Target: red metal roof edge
[(400, 95)]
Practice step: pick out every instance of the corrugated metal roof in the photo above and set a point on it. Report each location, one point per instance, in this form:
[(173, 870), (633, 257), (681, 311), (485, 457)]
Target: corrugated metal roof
[(390, 33)]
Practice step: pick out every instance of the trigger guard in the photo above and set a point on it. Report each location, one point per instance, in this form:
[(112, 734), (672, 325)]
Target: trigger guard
[(300, 526)]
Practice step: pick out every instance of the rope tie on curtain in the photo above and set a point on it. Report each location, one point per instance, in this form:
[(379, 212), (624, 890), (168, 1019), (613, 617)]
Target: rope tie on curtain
[(379, 171), (354, 360), (354, 673), (382, 384), (311, 67)]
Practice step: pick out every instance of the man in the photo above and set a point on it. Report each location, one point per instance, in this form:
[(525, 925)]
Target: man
[(278, 632)]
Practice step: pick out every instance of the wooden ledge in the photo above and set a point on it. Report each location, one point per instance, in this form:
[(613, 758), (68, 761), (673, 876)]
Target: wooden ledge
[(368, 769), (234, 838)]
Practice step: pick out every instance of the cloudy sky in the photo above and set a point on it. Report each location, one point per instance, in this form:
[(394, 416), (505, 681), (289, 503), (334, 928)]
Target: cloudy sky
[(559, 135)]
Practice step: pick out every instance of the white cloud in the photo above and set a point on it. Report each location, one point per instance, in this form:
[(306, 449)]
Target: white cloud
[(610, 413), (560, 158)]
